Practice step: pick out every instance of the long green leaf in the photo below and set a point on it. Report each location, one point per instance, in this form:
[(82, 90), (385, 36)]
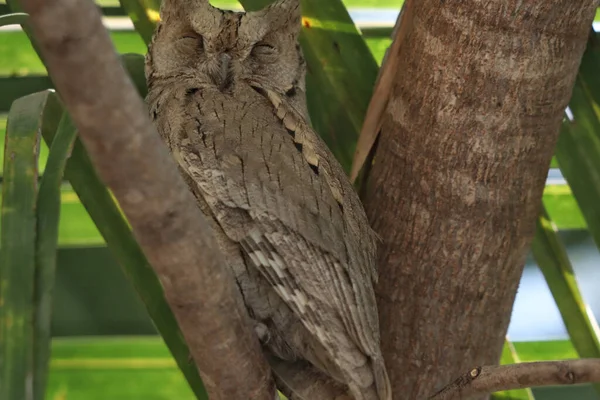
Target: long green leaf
[(13, 19), (17, 241), (588, 70), (114, 228), (510, 356), (134, 64), (553, 261), (48, 215), (578, 149), (144, 14), (116, 232)]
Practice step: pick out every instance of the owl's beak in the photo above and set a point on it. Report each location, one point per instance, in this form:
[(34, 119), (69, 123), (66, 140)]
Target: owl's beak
[(223, 79)]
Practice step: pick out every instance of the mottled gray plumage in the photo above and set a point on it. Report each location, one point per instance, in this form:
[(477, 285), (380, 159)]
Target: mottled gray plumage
[(226, 92)]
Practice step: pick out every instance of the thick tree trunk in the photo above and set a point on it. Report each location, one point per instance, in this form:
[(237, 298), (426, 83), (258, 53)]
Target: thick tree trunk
[(458, 175)]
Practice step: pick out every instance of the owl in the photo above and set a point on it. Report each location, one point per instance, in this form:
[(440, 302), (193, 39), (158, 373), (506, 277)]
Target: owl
[(226, 92)]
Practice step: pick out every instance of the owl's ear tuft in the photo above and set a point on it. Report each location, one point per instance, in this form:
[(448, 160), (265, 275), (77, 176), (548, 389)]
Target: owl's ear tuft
[(189, 10), (284, 11)]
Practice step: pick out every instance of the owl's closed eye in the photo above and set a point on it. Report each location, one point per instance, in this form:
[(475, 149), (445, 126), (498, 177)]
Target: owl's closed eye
[(263, 50), (190, 41)]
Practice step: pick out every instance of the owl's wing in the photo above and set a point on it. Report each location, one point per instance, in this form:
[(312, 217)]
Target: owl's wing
[(319, 290), (307, 232)]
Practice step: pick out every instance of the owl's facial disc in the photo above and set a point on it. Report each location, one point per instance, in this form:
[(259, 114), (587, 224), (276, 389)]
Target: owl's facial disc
[(202, 45)]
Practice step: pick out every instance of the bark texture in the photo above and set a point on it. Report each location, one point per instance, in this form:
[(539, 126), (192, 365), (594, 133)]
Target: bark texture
[(130, 158), (483, 380), (458, 175)]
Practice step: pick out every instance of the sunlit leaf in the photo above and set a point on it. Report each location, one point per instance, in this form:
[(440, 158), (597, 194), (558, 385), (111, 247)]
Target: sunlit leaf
[(144, 14), (13, 19)]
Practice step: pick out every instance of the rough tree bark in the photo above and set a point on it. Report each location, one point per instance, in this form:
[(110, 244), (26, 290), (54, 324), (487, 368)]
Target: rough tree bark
[(458, 175)]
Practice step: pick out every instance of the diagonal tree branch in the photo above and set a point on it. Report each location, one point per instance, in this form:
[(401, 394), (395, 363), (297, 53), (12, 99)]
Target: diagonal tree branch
[(132, 161), (483, 380), (381, 94)]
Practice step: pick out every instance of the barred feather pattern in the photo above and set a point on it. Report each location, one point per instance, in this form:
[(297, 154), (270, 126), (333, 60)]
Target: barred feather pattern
[(288, 220), (271, 186)]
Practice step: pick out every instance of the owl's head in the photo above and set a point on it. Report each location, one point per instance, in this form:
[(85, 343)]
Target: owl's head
[(198, 42)]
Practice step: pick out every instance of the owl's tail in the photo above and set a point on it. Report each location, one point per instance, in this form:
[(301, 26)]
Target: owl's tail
[(380, 389), (382, 380)]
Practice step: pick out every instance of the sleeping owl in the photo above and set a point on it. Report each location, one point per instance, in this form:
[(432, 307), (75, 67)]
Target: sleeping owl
[(226, 92)]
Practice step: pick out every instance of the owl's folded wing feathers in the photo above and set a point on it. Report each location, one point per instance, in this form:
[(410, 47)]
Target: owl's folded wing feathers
[(301, 238)]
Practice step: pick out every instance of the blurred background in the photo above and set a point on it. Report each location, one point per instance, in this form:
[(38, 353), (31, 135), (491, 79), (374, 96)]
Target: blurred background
[(106, 347)]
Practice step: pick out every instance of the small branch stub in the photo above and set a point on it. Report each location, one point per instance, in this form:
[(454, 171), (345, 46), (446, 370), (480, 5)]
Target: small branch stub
[(483, 380)]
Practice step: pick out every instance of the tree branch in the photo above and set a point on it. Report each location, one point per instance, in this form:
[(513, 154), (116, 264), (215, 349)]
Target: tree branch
[(381, 94), (131, 159), (483, 380)]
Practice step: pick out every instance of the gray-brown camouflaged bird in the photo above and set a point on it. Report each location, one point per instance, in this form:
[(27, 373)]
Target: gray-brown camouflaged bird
[(226, 92)]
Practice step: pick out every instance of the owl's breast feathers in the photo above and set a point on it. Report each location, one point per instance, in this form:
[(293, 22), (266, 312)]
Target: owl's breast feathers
[(274, 187)]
